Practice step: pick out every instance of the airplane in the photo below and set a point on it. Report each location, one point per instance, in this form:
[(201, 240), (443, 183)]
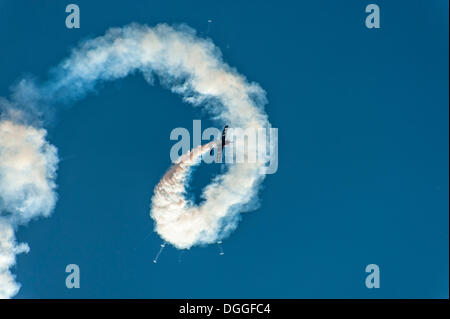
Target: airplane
[(222, 144)]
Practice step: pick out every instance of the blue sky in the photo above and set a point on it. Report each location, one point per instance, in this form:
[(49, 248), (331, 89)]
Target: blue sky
[(363, 154)]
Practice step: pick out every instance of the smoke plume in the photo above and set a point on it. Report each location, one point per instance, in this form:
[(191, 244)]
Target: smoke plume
[(186, 64)]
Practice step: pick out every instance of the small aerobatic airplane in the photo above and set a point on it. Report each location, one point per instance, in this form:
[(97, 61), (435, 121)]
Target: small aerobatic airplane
[(220, 147)]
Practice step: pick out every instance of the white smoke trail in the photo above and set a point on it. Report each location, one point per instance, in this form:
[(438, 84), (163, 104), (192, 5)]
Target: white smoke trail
[(188, 65), (8, 251), (183, 224), (27, 171)]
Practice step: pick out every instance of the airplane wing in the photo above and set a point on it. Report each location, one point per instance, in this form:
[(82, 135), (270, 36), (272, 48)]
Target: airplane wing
[(223, 144), (224, 133)]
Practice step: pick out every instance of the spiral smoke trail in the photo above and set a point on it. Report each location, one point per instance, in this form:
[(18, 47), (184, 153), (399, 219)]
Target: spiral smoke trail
[(183, 62)]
